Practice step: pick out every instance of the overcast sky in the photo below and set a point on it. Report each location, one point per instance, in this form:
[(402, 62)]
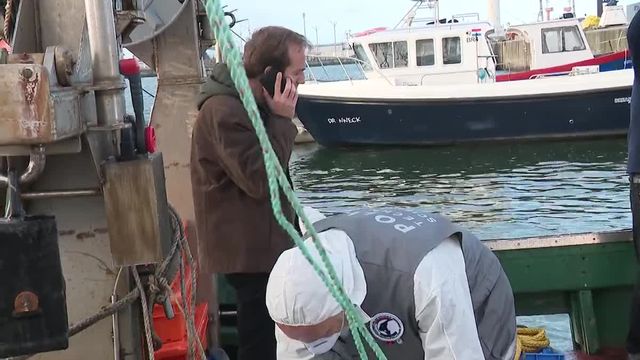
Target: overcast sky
[(358, 15)]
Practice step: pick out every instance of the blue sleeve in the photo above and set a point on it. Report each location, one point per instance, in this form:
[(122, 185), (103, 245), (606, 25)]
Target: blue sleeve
[(633, 38)]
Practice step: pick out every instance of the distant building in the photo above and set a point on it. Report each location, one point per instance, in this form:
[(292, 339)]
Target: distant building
[(632, 9), (339, 49)]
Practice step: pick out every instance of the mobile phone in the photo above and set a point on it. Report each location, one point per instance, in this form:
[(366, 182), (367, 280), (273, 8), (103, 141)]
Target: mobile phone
[(268, 80)]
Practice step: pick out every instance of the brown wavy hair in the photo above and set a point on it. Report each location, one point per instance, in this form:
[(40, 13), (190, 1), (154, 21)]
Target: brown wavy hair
[(269, 46)]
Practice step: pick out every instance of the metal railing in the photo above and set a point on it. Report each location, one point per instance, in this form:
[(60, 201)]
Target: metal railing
[(341, 61), (551, 74), (474, 72), (474, 16)]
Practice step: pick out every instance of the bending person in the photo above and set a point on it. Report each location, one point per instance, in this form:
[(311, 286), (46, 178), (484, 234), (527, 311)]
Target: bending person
[(427, 289)]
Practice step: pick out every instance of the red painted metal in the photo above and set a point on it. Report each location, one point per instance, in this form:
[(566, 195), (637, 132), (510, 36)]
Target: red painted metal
[(604, 354), (617, 56), (129, 67), (370, 31), (5, 45)]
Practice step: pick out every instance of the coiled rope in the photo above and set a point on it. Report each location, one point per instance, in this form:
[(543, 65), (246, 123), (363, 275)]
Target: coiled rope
[(530, 340)]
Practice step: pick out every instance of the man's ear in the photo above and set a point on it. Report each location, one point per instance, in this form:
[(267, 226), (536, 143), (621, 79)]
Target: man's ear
[(266, 70)]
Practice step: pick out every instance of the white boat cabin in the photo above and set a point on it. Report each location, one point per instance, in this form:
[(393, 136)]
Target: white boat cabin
[(436, 54), (552, 43), (463, 52)]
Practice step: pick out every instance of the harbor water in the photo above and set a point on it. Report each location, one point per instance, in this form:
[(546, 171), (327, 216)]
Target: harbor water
[(496, 190)]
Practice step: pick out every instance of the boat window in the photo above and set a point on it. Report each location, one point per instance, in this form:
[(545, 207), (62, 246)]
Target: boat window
[(382, 54), (425, 52), (572, 39), (451, 51), (400, 54), (390, 55), (362, 56), (562, 39)]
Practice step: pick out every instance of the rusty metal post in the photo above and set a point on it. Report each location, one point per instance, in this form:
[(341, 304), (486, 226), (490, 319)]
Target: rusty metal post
[(174, 112), (110, 102), (68, 185)]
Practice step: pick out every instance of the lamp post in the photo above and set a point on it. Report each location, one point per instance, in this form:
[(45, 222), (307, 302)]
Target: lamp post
[(335, 41), (304, 23), (317, 42)]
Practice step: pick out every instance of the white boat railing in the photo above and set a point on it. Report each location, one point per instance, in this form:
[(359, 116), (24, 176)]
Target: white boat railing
[(341, 61), (481, 72), (335, 59), (551, 74), (475, 17), (575, 71)]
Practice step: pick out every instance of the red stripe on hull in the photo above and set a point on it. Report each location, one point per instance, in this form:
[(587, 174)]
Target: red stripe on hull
[(621, 55)]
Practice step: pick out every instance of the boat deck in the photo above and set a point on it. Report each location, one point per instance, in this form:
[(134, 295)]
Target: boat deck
[(606, 354), (589, 276)]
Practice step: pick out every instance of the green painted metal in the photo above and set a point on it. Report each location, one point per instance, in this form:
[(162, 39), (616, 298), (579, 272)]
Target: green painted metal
[(612, 310), (568, 268), (584, 322), (592, 283)]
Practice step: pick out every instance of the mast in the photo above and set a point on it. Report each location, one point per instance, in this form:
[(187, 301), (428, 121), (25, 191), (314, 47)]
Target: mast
[(494, 15), (411, 16), (541, 13)]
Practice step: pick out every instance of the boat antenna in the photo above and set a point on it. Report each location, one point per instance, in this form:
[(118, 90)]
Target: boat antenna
[(410, 17), (541, 13)]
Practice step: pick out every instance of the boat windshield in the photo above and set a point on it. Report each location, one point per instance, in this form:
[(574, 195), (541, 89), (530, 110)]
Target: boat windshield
[(362, 56)]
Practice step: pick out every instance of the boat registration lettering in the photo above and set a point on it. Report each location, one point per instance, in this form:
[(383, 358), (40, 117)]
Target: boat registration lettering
[(473, 35), (344, 120), (622, 100)]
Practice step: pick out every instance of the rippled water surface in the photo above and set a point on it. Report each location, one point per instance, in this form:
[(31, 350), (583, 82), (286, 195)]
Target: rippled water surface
[(497, 191)]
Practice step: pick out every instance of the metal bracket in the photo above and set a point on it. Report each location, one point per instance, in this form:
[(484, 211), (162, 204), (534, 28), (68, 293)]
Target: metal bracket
[(13, 207), (37, 161), (583, 322), (127, 20)]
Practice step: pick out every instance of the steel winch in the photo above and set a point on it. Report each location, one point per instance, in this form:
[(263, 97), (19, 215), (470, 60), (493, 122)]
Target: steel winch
[(37, 107), (48, 108)]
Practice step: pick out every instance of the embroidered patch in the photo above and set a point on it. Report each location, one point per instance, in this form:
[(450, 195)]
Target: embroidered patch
[(386, 327)]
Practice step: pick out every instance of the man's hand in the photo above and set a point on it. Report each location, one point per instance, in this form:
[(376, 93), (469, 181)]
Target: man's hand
[(283, 103)]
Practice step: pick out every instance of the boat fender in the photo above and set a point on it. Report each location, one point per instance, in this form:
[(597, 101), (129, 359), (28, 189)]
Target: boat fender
[(482, 74)]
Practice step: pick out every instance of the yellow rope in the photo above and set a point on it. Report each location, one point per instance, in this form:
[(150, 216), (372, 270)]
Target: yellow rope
[(530, 340)]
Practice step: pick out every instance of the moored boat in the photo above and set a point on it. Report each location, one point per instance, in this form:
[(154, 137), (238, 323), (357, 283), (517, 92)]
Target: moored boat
[(438, 85)]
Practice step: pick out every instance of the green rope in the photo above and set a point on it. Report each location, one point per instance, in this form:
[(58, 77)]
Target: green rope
[(277, 177)]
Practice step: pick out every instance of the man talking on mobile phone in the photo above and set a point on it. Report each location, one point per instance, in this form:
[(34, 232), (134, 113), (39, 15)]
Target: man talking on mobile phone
[(238, 236)]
